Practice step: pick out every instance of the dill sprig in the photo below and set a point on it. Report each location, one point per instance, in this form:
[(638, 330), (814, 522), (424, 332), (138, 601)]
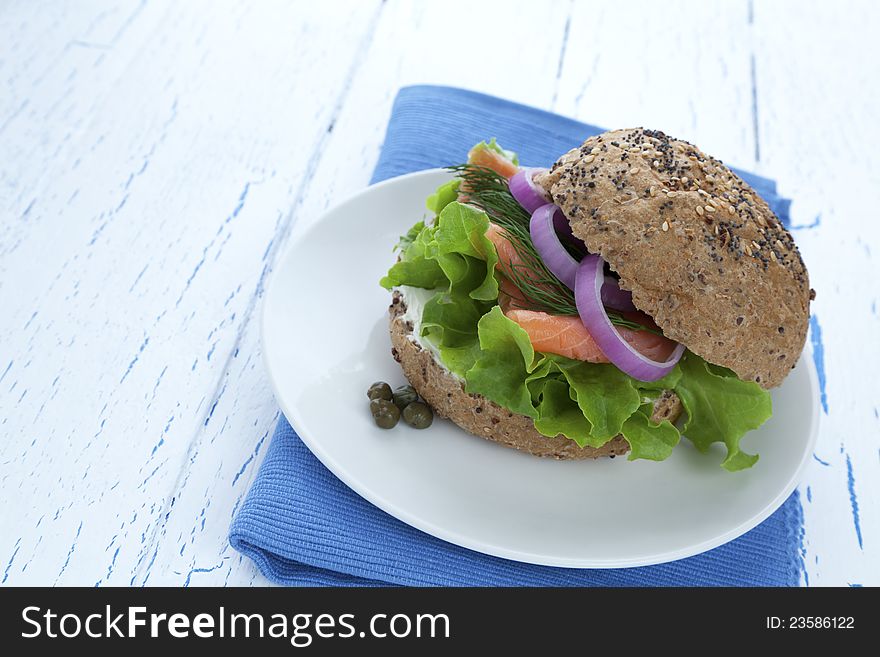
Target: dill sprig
[(488, 189), (540, 289)]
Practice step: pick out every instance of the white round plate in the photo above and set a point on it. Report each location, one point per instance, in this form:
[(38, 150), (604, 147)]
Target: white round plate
[(325, 340)]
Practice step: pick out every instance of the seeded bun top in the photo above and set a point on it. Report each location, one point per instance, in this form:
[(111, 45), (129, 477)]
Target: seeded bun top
[(702, 253)]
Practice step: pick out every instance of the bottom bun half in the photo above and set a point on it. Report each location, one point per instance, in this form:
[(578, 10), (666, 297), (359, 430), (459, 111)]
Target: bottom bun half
[(477, 415)]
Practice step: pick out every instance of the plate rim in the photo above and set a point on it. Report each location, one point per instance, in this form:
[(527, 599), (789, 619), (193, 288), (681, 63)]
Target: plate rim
[(450, 535)]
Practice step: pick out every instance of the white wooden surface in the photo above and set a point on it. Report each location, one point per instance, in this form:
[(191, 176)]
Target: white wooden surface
[(156, 156)]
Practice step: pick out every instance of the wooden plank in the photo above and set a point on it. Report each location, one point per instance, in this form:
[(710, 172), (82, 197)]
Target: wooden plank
[(817, 88), (681, 67), (38, 34), (136, 268), (58, 65)]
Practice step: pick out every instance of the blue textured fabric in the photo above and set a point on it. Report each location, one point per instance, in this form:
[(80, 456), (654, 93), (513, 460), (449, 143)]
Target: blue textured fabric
[(303, 526)]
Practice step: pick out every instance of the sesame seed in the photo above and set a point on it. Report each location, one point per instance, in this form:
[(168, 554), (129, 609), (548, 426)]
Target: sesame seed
[(589, 158), (714, 201), (655, 163), (700, 210), (716, 229), (635, 149), (709, 208), (779, 245), (595, 150), (684, 181), (747, 249), (665, 226), (670, 194), (634, 170), (773, 256), (756, 245), (653, 191), (731, 209), (703, 192)]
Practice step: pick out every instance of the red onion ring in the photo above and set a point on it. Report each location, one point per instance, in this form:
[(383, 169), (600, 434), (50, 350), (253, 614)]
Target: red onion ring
[(531, 197), (544, 229), (615, 298), (526, 192), (554, 255), (589, 280), (563, 229)]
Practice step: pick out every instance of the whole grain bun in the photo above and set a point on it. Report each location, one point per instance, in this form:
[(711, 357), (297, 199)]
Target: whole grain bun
[(477, 415), (702, 253)]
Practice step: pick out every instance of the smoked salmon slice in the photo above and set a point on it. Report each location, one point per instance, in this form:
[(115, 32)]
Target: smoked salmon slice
[(508, 293), (558, 334), (508, 259), (483, 156), (567, 336)]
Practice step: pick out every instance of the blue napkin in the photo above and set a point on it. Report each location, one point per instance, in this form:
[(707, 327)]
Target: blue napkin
[(303, 526)]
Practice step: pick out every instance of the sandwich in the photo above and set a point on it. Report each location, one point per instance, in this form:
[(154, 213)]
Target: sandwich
[(635, 292)]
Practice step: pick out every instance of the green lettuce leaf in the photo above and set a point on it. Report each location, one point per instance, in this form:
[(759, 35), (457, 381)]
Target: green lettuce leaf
[(410, 237), (720, 408), (505, 361), (646, 439), (461, 230), (454, 257), (445, 194), (454, 251), (558, 413), (418, 273), (414, 267), (605, 395), (451, 320)]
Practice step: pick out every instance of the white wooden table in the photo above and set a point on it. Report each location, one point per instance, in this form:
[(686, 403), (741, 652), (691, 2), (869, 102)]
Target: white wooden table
[(155, 158)]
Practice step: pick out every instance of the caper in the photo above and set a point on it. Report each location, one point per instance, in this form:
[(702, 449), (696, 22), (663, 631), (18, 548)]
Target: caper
[(418, 415), (385, 413), (404, 396), (380, 405), (379, 390)]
